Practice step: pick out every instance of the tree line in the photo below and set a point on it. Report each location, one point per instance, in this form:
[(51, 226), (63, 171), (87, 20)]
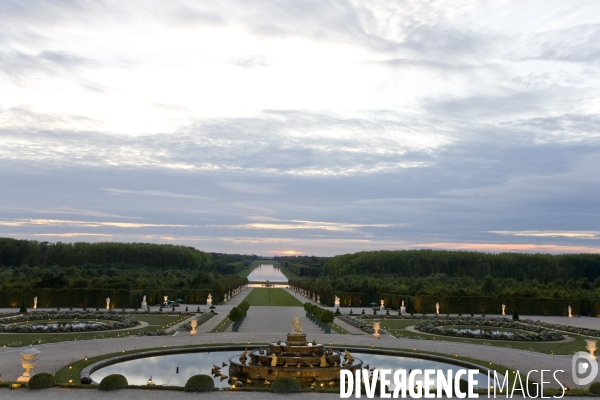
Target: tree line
[(544, 268), (16, 253)]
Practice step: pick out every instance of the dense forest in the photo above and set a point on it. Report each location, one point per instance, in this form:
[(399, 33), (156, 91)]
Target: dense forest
[(15, 253), (305, 266), (69, 270), (546, 282), (462, 280), (544, 268)]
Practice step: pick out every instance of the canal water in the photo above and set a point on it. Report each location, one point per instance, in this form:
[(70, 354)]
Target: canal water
[(266, 272)]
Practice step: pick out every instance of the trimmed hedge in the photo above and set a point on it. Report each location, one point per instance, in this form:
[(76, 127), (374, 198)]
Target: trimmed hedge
[(304, 270), (42, 380), (239, 312), (325, 316), (286, 384), (113, 382), (200, 383), (595, 388), (456, 304)]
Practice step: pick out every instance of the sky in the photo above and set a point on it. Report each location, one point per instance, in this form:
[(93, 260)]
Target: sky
[(302, 127)]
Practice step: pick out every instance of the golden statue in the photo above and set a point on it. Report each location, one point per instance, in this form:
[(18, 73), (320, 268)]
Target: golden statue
[(273, 360), (297, 328), (243, 356), (323, 361), (348, 357)]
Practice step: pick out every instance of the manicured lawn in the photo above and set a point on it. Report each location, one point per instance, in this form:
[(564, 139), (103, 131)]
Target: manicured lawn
[(222, 327), (271, 297), (289, 274), (245, 272), (339, 329)]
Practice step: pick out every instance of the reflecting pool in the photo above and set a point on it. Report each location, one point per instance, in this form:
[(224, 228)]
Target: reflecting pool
[(176, 369), (266, 272)]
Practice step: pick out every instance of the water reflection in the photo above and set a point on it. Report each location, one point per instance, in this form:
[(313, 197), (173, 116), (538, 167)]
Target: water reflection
[(266, 272), (163, 369)]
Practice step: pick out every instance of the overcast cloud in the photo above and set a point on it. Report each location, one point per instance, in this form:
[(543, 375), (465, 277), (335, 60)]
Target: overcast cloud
[(321, 127)]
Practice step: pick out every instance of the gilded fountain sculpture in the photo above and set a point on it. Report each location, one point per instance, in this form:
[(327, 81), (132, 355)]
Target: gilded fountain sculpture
[(295, 357)]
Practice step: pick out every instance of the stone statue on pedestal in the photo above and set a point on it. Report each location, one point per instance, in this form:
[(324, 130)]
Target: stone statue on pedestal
[(296, 327), (437, 308), (108, 303), (35, 302), (503, 309)]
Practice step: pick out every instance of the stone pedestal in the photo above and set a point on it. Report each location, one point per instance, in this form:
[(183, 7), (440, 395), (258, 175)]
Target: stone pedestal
[(297, 339), (402, 310)]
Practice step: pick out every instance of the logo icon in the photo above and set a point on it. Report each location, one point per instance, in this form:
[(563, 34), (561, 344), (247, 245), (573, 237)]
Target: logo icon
[(583, 364)]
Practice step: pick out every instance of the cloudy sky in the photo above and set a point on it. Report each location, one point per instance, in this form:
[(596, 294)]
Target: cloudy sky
[(320, 127)]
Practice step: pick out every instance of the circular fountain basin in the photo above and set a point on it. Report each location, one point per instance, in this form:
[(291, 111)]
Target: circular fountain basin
[(176, 369)]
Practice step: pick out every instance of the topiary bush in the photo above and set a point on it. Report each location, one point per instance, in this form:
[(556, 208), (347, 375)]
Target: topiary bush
[(286, 384), (595, 388), (41, 381), (200, 383), (113, 382)]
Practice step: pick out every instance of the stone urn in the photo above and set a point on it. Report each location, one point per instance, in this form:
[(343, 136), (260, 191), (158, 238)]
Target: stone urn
[(193, 324), (591, 347), (376, 327), (28, 361)]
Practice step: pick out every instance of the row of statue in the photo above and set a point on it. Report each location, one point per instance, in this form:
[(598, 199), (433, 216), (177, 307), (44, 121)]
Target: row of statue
[(274, 359), (337, 304)]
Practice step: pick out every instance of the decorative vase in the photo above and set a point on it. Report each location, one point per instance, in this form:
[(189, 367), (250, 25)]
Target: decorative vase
[(28, 361), (591, 347)]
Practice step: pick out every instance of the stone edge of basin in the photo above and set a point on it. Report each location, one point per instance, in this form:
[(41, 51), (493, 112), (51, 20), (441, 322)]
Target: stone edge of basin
[(90, 369)]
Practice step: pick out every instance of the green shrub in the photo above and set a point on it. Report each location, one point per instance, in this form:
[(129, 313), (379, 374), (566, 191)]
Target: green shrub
[(515, 315), (286, 384), (595, 388), (200, 383), (23, 308), (235, 314), (113, 382), (41, 381), (326, 316)]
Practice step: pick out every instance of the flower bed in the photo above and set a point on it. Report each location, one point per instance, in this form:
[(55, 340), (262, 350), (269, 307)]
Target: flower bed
[(363, 326), (567, 328), (201, 319), (115, 321), (470, 327)]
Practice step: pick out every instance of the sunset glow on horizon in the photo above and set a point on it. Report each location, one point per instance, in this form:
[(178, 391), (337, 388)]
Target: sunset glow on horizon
[(332, 127)]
